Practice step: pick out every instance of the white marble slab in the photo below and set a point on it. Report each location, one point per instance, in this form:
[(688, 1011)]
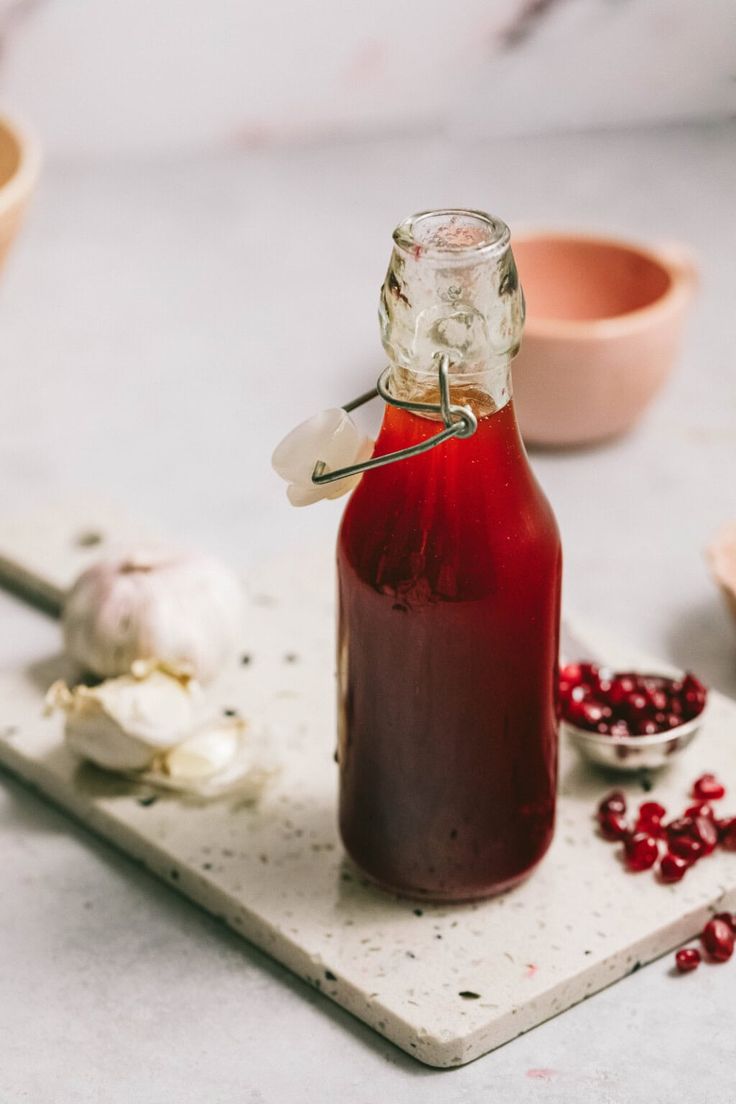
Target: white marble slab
[(232, 74), (275, 872)]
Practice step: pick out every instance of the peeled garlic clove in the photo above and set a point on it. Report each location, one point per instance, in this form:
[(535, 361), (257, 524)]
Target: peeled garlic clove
[(124, 723), (154, 603), (207, 752), (331, 436)]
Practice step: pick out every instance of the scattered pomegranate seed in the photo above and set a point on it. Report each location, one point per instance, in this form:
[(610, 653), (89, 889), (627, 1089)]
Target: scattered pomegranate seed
[(688, 959), (718, 940), (686, 848), (728, 918), (727, 833), (613, 825), (692, 837), (673, 868), (642, 851), (701, 808), (627, 703), (615, 802), (706, 832), (687, 838), (652, 810), (684, 840), (651, 828), (650, 819), (708, 788)]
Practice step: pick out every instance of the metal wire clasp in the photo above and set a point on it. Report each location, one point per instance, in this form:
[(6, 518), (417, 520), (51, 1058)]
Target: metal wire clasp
[(460, 421)]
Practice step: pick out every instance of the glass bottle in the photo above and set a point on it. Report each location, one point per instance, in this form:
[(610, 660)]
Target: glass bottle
[(449, 588)]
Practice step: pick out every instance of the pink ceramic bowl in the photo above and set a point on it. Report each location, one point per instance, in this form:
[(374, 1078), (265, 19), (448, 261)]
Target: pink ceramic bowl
[(603, 329), (722, 557), (19, 165)]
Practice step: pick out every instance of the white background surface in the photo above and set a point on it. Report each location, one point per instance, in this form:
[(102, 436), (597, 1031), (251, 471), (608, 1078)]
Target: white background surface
[(161, 325)]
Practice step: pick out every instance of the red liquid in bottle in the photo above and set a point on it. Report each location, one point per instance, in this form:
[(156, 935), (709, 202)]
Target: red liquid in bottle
[(449, 580)]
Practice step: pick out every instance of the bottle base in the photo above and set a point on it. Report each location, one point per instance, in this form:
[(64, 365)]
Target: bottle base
[(438, 896)]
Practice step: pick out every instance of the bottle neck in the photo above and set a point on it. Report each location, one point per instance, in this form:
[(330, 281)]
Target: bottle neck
[(452, 289), (485, 390)]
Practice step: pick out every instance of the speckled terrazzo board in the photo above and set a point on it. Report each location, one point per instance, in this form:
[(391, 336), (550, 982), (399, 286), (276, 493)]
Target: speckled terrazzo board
[(446, 984)]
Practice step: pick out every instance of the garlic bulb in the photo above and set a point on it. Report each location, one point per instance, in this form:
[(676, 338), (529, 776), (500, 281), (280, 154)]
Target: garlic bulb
[(176, 607), (331, 436), (125, 723)]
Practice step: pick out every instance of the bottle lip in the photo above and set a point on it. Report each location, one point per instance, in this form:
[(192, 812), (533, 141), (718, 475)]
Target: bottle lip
[(452, 234)]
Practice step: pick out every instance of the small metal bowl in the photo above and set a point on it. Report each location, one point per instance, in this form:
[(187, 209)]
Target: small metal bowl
[(632, 753)]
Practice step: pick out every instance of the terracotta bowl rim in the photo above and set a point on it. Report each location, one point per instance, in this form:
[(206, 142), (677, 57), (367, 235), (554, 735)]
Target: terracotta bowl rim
[(22, 181), (672, 257)]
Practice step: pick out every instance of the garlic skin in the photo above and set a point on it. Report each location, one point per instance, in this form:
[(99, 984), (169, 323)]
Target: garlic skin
[(331, 436), (180, 608), (125, 723)]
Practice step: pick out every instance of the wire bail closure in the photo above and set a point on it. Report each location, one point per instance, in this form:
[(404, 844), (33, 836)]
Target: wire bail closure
[(460, 421)]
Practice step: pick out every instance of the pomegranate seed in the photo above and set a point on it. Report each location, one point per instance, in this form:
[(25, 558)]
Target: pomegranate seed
[(681, 826), (565, 689), (727, 918), (673, 868), (650, 819), (693, 693), (593, 713), (642, 851), (658, 700), (652, 810), (687, 959), (727, 833), (701, 809), (620, 728), (615, 802), (613, 826), (718, 940), (621, 687), (625, 703), (575, 711), (636, 706), (684, 839), (707, 833), (688, 849), (708, 788), (650, 828)]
